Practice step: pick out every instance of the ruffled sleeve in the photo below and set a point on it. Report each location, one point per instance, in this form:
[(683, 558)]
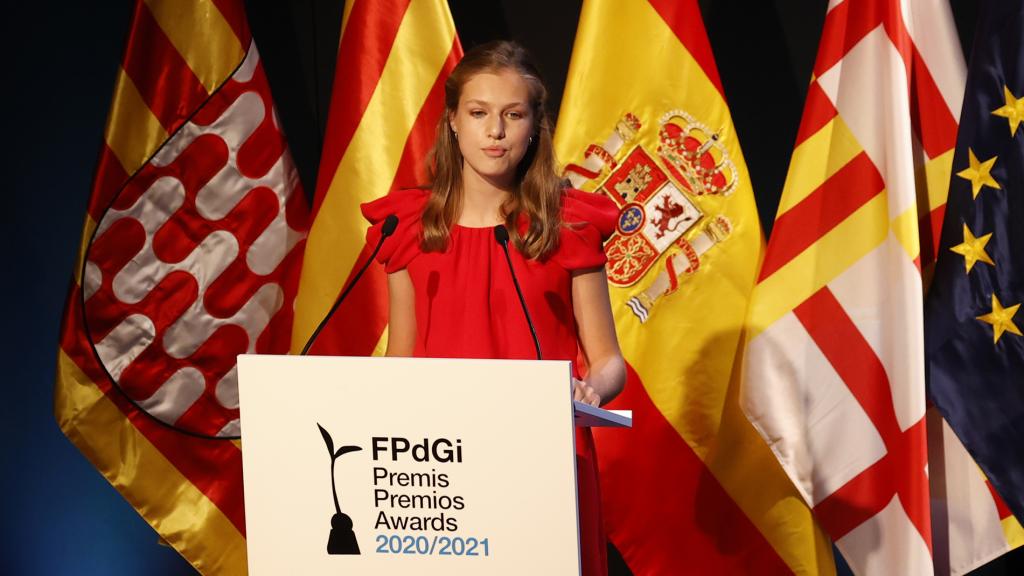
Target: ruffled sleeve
[(588, 219), (404, 244)]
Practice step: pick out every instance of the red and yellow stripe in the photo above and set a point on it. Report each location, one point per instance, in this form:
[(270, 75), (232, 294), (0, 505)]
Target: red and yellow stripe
[(393, 59), (833, 210), (1011, 526), (189, 489), (834, 195)]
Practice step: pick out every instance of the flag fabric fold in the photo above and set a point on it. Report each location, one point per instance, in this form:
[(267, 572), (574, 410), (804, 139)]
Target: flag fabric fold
[(189, 255), (393, 59), (691, 488), (834, 373), (974, 347)]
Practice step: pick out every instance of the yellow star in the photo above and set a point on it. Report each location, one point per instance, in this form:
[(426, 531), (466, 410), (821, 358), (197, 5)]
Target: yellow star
[(1001, 319), (979, 173), (973, 249), (1013, 110)]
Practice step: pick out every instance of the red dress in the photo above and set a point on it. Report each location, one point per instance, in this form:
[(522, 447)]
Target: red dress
[(467, 307)]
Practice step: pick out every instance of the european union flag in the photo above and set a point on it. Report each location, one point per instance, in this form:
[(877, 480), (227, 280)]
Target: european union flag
[(973, 316)]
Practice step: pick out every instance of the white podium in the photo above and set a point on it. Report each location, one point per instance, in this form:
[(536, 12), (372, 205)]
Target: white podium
[(410, 466)]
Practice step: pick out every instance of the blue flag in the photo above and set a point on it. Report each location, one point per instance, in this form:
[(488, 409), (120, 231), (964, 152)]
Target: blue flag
[(973, 316)]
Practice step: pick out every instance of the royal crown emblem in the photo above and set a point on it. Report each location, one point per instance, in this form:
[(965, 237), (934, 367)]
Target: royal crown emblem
[(659, 198)]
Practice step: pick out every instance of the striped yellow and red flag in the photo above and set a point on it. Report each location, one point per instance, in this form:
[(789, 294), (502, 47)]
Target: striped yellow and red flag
[(691, 489), (188, 258), (393, 59), (834, 379)]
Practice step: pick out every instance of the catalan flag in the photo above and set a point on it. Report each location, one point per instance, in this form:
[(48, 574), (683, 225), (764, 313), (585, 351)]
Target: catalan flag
[(834, 378), (691, 489), (974, 346), (393, 59), (188, 258)]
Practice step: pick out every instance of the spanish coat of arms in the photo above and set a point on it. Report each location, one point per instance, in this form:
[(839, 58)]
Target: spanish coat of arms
[(659, 202)]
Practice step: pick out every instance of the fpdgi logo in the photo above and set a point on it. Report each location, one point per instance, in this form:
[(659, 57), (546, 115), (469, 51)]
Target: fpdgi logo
[(342, 539)]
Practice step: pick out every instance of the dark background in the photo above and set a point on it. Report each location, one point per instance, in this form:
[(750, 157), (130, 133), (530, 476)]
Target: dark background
[(59, 515)]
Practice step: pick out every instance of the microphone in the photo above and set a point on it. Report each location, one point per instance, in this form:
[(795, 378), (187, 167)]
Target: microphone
[(386, 230), (501, 235)]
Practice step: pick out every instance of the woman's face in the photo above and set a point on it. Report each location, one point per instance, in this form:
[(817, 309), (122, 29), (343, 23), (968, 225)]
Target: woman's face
[(493, 122)]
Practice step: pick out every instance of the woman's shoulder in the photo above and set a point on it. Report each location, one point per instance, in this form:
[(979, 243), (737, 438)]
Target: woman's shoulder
[(405, 204), (581, 208), (588, 220), (401, 202)]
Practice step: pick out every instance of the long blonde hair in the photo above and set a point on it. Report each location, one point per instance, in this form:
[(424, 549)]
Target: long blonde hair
[(538, 190)]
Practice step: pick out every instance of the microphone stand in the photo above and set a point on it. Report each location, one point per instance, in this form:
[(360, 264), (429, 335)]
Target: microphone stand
[(390, 224), (501, 235)]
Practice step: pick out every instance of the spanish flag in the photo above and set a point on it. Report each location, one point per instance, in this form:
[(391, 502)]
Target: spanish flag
[(188, 258), (691, 488), (393, 59)]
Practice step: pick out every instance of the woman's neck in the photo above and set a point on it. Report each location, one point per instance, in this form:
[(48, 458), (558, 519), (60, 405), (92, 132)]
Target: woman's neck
[(481, 202)]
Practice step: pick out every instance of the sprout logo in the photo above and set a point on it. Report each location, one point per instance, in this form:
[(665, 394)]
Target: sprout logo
[(342, 539)]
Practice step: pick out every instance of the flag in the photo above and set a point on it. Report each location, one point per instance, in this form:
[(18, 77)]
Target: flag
[(974, 346), (193, 229), (834, 374), (970, 523), (691, 488), (393, 59)]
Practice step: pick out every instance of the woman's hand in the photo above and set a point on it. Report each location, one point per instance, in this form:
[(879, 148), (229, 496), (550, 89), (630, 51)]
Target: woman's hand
[(583, 392)]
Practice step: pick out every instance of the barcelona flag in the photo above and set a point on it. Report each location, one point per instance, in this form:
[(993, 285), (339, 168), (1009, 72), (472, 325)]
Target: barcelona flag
[(974, 341), (833, 376)]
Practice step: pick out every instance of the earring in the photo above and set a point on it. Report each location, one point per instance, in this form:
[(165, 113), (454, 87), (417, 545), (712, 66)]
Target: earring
[(456, 134), (530, 143)]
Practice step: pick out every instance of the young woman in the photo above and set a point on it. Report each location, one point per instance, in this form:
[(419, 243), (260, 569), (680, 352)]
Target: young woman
[(450, 290)]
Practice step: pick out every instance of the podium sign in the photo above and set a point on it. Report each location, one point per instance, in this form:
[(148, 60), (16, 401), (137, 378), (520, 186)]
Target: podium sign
[(408, 466)]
